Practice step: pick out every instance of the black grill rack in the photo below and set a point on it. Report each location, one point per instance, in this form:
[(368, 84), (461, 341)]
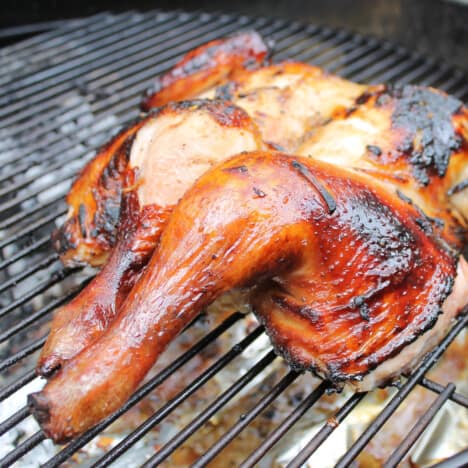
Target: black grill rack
[(109, 60)]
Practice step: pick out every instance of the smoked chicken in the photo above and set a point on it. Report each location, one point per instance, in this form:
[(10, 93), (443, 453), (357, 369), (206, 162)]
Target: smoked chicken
[(285, 101), (343, 215)]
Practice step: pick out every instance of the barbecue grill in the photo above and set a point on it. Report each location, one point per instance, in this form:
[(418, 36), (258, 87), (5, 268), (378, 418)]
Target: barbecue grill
[(62, 94)]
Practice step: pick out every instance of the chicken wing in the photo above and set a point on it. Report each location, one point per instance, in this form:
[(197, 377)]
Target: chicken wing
[(90, 230), (207, 66)]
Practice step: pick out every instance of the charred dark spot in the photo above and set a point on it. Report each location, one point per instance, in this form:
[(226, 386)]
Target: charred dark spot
[(303, 311), (224, 112), (39, 407), (242, 169), (382, 231), (364, 97), (324, 193), (424, 218), (276, 147), (63, 239), (424, 224), (374, 149), (112, 212), (425, 116), (270, 413), (259, 193), (360, 303), (458, 188), (403, 197), (225, 92)]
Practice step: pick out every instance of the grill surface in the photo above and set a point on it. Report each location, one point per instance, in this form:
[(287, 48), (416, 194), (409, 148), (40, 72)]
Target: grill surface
[(62, 94)]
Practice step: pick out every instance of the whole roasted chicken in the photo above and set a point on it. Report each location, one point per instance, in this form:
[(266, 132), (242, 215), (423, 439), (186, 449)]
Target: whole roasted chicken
[(343, 214)]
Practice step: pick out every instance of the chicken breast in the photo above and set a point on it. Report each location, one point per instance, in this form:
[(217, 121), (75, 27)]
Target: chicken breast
[(288, 100)]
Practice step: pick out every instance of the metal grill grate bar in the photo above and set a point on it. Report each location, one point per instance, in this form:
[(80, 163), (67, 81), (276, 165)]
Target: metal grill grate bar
[(44, 220), (395, 402), (419, 427), (69, 66), (157, 65), (13, 420), (79, 442), (56, 277), (28, 213), (17, 384), (326, 430), (61, 80), (457, 461), (68, 54), (58, 164), (30, 48), (21, 325), (22, 253), (29, 349), (166, 409), (22, 449), (246, 418), (284, 427), (437, 388), (197, 37), (14, 280), (208, 412)]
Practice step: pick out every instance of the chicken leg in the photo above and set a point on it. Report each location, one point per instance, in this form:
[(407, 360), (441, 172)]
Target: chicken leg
[(348, 252)]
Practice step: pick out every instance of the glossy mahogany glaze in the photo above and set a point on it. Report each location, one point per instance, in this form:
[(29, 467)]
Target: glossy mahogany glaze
[(286, 101), (206, 66), (412, 140), (339, 255)]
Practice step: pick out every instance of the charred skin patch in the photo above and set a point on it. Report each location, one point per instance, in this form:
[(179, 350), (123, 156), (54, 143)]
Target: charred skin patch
[(424, 116), (89, 232), (463, 185)]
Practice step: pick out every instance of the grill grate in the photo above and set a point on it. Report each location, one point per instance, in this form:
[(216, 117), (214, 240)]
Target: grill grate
[(62, 94)]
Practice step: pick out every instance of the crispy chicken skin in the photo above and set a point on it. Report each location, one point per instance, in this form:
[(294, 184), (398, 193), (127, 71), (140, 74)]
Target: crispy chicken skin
[(286, 101), (206, 66), (81, 321), (172, 147), (343, 256), (90, 230)]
